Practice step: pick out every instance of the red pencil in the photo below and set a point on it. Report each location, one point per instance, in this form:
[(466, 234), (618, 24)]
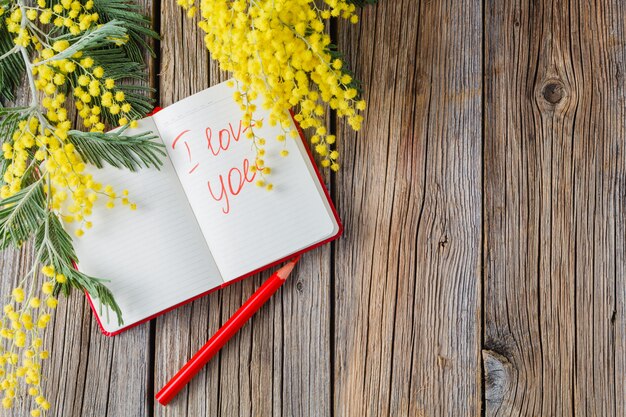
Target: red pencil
[(223, 335)]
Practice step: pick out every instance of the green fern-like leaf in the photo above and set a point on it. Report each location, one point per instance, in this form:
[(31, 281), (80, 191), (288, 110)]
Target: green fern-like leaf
[(11, 67), (9, 120), (138, 97), (138, 26), (117, 149), (54, 242), (98, 37), (122, 63), (334, 53), (55, 248), (117, 64), (21, 215), (362, 3), (118, 45)]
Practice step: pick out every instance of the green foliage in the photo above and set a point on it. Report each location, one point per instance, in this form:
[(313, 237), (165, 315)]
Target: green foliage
[(125, 62), (334, 52), (11, 67), (9, 119), (21, 215), (119, 45), (362, 3), (138, 26), (54, 247), (98, 37), (117, 149)]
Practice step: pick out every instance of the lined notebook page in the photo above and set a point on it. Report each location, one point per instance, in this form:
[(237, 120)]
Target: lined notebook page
[(245, 226), (156, 256)]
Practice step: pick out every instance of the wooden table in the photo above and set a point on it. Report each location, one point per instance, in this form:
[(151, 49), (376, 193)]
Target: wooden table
[(482, 270)]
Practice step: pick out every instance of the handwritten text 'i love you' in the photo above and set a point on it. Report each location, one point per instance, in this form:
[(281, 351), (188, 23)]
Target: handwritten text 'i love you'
[(216, 143)]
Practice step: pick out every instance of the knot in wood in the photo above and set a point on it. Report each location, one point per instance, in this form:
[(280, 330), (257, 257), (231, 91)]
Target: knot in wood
[(497, 375), (553, 92)]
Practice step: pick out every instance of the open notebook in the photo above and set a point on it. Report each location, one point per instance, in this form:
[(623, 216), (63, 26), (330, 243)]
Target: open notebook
[(201, 222)]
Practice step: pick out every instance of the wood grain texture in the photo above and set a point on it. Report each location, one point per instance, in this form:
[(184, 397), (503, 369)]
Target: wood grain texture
[(554, 218), (407, 303), (87, 373), (279, 363), (483, 266), (91, 373)]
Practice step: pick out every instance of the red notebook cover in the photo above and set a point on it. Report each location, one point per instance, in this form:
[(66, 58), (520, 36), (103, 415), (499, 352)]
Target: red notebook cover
[(330, 239)]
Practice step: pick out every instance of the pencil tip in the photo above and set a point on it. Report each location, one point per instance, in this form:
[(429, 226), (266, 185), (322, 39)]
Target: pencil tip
[(284, 272)]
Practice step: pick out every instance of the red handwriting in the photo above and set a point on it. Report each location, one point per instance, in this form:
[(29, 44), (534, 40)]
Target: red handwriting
[(230, 184), (235, 180), (180, 135), (224, 137)]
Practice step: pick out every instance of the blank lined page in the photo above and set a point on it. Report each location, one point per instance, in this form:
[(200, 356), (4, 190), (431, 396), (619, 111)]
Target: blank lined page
[(155, 257), (246, 227)]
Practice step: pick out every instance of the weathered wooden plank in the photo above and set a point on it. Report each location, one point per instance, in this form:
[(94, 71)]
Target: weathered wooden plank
[(613, 30), (406, 331), (183, 71), (14, 264), (554, 219), (618, 195), (87, 373), (107, 376), (278, 364), (407, 302), (67, 337), (599, 129)]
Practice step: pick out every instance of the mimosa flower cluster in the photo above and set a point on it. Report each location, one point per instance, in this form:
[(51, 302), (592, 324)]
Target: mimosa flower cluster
[(42, 137), (22, 352), (72, 54), (281, 57)]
